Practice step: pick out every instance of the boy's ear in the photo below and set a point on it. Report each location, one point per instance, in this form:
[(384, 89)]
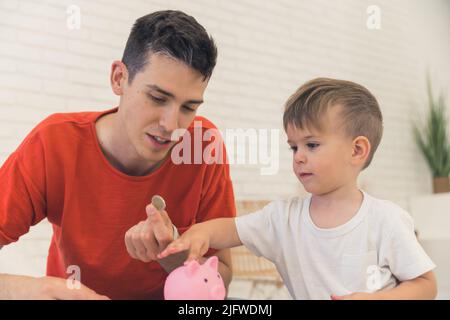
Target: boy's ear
[(361, 149)]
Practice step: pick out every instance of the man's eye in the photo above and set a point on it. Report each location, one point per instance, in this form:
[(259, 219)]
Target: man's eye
[(312, 145), (157, 99), (188, 109)]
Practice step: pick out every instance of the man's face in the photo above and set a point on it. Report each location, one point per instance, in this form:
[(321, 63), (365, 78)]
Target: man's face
[(322, 159), (162, 98)]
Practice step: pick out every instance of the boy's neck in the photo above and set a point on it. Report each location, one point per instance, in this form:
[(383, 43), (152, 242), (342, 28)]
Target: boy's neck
[(335, 208)]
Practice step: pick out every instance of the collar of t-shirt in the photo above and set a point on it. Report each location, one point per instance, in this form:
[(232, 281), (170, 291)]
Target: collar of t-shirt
[(339, 230)]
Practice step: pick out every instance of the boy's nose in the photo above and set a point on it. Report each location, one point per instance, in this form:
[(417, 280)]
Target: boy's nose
[(299, 157)]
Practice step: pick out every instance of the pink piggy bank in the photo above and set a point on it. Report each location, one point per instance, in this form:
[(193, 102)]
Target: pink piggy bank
[(194, 281)]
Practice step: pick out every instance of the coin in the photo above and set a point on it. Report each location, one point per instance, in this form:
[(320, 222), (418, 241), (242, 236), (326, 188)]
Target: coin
[(158, 202)]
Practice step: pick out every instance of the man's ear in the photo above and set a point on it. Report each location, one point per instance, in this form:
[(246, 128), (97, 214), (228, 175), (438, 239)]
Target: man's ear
[(360, 150), (119, 77)]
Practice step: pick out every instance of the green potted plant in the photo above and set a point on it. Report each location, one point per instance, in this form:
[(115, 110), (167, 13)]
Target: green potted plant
[(433, 142)]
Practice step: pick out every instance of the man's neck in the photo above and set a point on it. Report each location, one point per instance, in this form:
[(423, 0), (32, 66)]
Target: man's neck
[(335, 208), (118, 149)]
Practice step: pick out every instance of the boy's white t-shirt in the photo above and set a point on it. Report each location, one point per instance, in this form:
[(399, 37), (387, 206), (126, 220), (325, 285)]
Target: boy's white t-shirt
[(372, 251)]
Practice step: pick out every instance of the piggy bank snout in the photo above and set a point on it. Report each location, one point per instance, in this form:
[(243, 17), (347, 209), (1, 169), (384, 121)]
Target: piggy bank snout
[(218, 292)]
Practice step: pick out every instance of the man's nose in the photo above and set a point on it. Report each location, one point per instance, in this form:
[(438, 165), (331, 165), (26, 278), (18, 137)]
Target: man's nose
[(169, 119)]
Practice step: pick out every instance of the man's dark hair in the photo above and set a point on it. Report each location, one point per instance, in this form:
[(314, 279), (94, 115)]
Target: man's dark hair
[(173, 33)]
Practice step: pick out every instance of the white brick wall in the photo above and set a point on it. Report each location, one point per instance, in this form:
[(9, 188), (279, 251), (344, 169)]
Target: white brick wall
[(266, 50)]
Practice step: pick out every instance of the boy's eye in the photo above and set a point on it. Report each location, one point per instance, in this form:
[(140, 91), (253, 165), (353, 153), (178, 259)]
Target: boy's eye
[(293, 148), (312, 145)]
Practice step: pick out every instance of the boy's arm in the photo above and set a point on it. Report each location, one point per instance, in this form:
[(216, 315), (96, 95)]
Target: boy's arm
[(223, 233), (420, 288), (216, 233)]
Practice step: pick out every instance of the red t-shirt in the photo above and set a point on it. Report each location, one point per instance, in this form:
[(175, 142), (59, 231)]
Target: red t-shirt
[(60, 173)]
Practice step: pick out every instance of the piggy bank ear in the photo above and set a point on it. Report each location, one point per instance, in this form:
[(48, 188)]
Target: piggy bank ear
[(192, 267), (213, 262)]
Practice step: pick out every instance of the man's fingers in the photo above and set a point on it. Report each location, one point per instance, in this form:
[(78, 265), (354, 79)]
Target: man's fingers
[(147, 238), (149, 241), (161, 228), (140, 250), (141, 243), (129, 244), (137, 244)]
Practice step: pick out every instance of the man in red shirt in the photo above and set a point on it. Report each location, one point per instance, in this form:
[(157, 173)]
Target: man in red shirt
[(93, 174)]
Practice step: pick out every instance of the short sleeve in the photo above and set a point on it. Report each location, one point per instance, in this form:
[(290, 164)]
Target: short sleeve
[(257, 231), (22, 183), (217, 196), (401, 250), (218, 200)]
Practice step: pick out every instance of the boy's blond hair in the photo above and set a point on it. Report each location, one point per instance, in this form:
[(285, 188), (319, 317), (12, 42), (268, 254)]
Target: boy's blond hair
[(360, 113)]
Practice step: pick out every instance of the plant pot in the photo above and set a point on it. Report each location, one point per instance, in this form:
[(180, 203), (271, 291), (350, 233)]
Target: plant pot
[(441, 184)]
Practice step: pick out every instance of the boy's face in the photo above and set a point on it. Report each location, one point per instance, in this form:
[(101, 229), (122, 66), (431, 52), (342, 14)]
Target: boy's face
[(322, 159), (162, 98)]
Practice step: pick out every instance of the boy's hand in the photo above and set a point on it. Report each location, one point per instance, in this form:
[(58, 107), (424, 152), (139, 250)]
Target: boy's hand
[(193, 240), (355, 296)]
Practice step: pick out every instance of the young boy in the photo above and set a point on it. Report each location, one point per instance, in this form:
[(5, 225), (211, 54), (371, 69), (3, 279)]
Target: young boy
[(339, 242)]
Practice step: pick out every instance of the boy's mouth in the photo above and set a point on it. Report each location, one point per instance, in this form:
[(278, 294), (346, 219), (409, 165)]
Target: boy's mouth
[(305, 174)]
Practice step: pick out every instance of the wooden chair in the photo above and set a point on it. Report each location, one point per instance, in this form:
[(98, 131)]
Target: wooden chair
[(246, 265)]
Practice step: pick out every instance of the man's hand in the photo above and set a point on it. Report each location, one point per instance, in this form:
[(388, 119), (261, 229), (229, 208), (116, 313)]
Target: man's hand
[(45, 288), (148, 238), (194, 240)]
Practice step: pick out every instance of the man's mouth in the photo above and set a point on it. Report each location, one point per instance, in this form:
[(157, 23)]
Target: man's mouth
[(159, 140)]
